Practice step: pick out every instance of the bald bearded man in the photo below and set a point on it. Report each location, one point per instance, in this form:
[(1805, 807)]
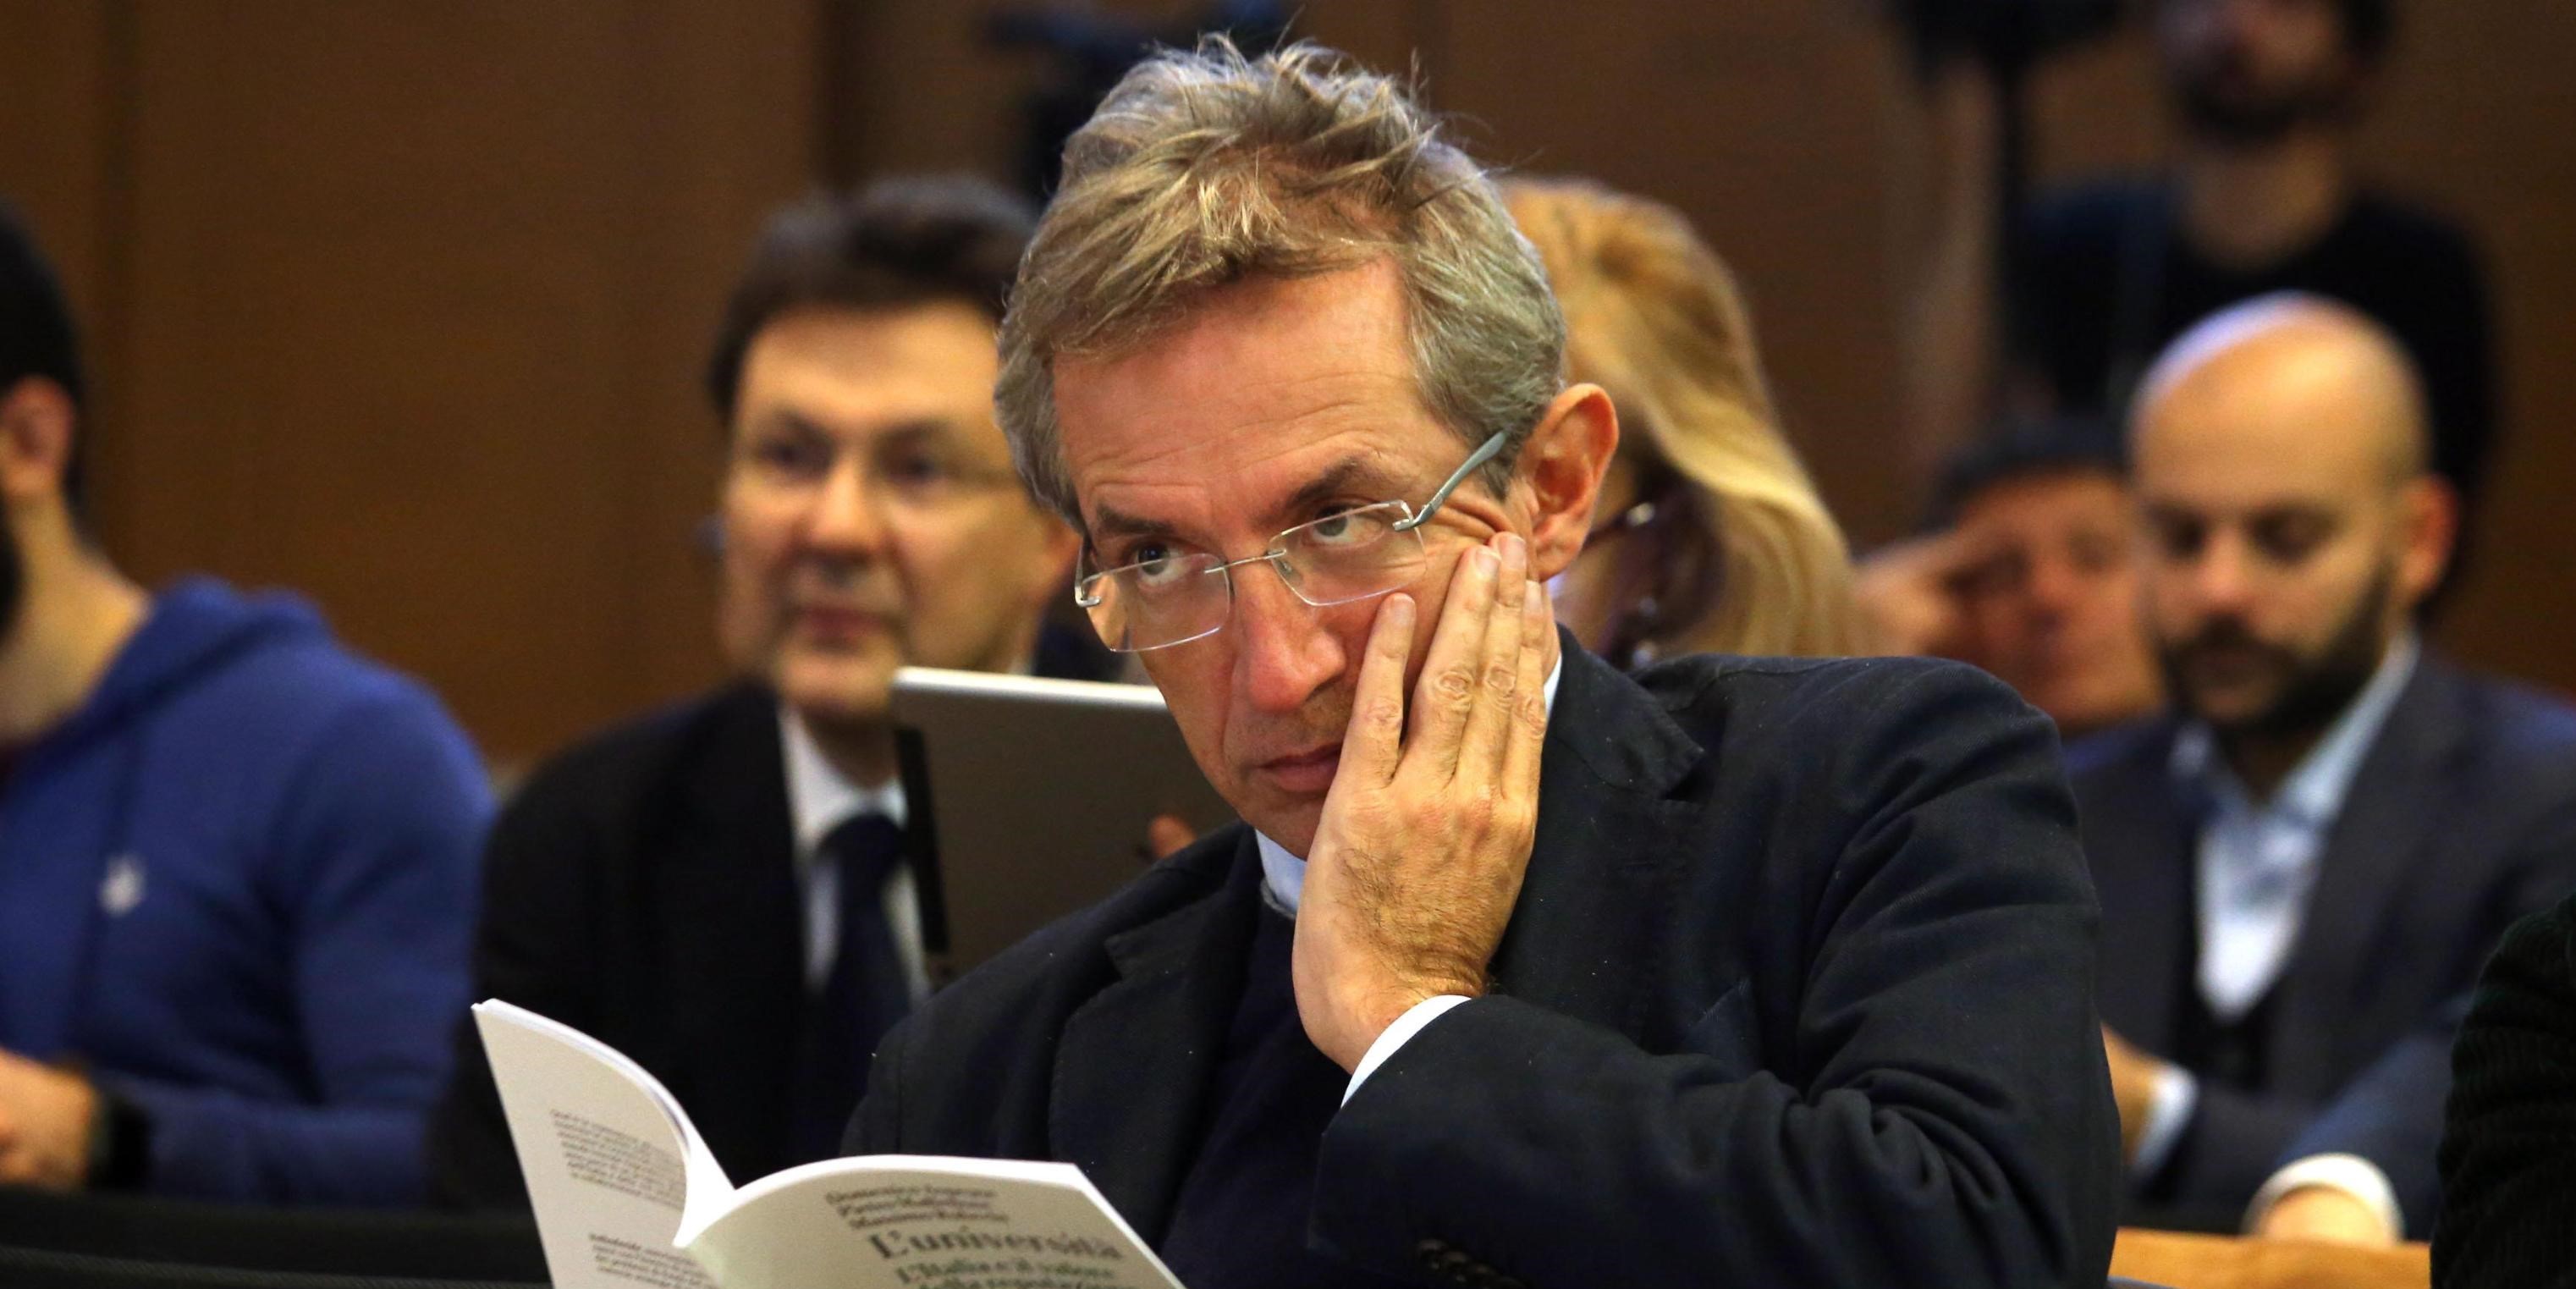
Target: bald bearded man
[(2330, 830)]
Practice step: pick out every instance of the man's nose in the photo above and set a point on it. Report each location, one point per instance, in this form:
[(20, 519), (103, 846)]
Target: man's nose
[(2222, 579), (847, 517), (1283, 653), (2055, 586)]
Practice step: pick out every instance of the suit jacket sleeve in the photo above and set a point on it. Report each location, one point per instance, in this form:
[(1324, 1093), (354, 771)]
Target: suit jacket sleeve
[(2392, 1116), (2508, 1174), (1947, 1116), (376, 857), (532, 948)]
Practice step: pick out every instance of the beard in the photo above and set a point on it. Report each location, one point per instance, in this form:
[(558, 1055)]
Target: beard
[(2309, 691), (2219, 103)]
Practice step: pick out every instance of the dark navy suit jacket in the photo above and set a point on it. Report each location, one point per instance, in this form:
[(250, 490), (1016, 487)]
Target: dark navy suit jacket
[(1799, 990), (2461, 819)]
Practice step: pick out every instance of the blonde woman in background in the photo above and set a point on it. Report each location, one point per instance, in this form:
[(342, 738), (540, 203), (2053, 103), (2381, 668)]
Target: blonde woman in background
[(1709, 536)]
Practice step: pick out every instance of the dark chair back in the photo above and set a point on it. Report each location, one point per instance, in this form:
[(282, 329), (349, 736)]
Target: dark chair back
[(323, 1242)]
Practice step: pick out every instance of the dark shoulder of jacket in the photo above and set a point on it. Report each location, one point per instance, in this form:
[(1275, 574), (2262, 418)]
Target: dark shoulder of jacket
[(2522, 734), (1727, 696), (2088, 215), (640, 757), (2384, 224), (2115, 751)]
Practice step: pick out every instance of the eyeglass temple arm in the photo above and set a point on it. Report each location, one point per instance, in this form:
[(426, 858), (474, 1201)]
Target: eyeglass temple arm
[(1483, 453)]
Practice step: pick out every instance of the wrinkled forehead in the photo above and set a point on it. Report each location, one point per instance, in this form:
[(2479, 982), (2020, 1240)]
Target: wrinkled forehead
[(1234, 416)]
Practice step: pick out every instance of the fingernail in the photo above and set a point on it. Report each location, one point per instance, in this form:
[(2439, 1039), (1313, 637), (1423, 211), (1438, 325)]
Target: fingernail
[(1399, 612), (1514, 547), (1488, 563)]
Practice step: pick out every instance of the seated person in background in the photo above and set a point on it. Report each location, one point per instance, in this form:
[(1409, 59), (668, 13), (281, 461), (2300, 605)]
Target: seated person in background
[(2508, 1153), (716, 889), (2313, 854), (2031, 575), (236, 861), (1713, 539), (1517, 970)]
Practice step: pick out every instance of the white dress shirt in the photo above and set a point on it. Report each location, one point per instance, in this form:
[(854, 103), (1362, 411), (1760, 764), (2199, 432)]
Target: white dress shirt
[(820, 799), (2256, 867), (1283, 878)]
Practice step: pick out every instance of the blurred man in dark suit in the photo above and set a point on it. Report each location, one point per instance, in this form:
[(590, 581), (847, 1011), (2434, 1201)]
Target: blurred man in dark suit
[(2315, 852), (716, 889), (1517, 970)]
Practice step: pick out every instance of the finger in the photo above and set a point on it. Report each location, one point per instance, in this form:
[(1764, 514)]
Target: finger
[(1446, 690), (1498, 670), (1375, 737), (1528, 742)]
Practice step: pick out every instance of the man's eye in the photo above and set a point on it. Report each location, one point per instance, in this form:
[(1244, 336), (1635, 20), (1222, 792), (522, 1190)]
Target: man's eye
[(2290, 538), (2178, 539), (917, 470), (790, 456), (1156, 567), (1348, 527)]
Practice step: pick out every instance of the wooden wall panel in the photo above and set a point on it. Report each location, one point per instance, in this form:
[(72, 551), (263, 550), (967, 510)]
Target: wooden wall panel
[(404, 305), (418, 297)]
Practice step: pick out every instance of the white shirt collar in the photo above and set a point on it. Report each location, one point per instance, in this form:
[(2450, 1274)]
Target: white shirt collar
[(1284, 875), (2314, 790), (819, 797)]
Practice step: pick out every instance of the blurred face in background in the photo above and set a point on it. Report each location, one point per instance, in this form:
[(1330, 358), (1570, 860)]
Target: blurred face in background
[(2053, 601), (2282, 549), (870, 515), (2251, 71)]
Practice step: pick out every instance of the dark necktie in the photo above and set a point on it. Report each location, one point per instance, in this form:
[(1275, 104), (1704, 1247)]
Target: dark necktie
[(864, 995)]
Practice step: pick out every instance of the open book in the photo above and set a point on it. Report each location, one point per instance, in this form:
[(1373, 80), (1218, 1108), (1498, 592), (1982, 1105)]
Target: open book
[(626, 1194)]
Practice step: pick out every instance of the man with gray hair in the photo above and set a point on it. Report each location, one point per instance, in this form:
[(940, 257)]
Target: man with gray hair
[(1517, 971)]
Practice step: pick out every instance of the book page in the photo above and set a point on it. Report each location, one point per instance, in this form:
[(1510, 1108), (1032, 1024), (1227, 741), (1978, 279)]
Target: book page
[(612, 1162), (922, 1222)]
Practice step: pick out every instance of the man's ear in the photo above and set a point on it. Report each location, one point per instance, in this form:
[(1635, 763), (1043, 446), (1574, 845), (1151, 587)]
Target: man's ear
[(36, 427), (2428, 516), (1057, 546), (1561, 467)]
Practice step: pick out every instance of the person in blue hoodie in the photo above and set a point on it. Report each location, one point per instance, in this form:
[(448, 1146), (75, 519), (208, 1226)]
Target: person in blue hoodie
[(237, 863)]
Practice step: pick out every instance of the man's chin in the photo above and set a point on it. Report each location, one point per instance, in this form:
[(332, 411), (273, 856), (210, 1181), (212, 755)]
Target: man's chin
[(836, 691), (1290, 823)]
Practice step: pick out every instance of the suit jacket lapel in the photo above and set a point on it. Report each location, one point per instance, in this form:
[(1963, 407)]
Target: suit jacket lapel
[(2388, 819), (1134, 1064), (733, 930), (1609, 846), (2141, 839)]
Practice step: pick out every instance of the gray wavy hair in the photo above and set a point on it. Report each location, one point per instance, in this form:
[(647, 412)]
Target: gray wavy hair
[(1204, 168)]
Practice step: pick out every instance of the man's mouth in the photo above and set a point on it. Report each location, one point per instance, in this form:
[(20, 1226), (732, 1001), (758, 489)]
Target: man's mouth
[(834, 622), (1304, 773)]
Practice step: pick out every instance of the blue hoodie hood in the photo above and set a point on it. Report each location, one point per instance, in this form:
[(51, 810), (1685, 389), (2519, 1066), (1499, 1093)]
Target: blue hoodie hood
[(197, 626)]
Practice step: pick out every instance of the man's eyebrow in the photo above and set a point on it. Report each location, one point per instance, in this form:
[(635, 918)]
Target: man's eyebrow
[(914, 427), (1113, 522), (1338, 480)]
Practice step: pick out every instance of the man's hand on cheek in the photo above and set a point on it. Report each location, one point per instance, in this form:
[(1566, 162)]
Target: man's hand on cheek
[(1426, 834)]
